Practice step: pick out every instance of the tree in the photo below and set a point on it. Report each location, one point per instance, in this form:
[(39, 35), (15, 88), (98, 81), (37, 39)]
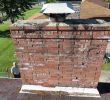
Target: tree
[(49, 1), (14, 8)]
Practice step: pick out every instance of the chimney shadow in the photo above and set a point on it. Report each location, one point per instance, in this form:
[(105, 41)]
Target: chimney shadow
[(81, 21), (103, 88)]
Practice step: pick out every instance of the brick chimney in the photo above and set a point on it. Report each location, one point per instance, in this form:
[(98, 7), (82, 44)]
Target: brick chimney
[(52, 54)]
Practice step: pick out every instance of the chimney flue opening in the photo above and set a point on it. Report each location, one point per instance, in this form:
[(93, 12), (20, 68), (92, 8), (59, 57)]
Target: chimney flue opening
[(57, 17)]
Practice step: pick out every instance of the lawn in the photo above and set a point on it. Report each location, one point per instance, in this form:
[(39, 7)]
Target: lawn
[(7, 51), (32, 11), (106, 66), (4, 26)]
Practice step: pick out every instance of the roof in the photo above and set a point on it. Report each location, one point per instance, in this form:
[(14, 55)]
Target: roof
[(90, 9), (38, 16), (9, 90), (57, 8), (98, 2)]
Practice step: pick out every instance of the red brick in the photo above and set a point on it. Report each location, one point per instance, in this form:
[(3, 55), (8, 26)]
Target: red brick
[(63, 55)]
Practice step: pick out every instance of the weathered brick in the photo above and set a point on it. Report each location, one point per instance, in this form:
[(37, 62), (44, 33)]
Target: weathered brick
[(64, 55)]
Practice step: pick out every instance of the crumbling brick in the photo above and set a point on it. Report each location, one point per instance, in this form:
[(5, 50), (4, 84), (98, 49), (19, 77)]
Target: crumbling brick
[(60, 55)]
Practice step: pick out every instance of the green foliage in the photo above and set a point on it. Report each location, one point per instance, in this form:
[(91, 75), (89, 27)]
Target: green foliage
[(107, 1), (50, 1), (7, 51), (14, 8)]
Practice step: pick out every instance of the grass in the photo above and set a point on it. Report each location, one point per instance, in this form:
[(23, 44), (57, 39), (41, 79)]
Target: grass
[(106, 66), (4, 30), (7, 51), (3, 74), (32, 11), (4, 26)]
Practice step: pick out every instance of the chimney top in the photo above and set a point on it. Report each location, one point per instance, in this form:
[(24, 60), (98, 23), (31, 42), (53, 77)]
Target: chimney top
[(57, 11), (57, 8)]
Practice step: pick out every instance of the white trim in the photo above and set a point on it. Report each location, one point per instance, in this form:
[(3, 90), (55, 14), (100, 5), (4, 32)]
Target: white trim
[(70, 91)]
